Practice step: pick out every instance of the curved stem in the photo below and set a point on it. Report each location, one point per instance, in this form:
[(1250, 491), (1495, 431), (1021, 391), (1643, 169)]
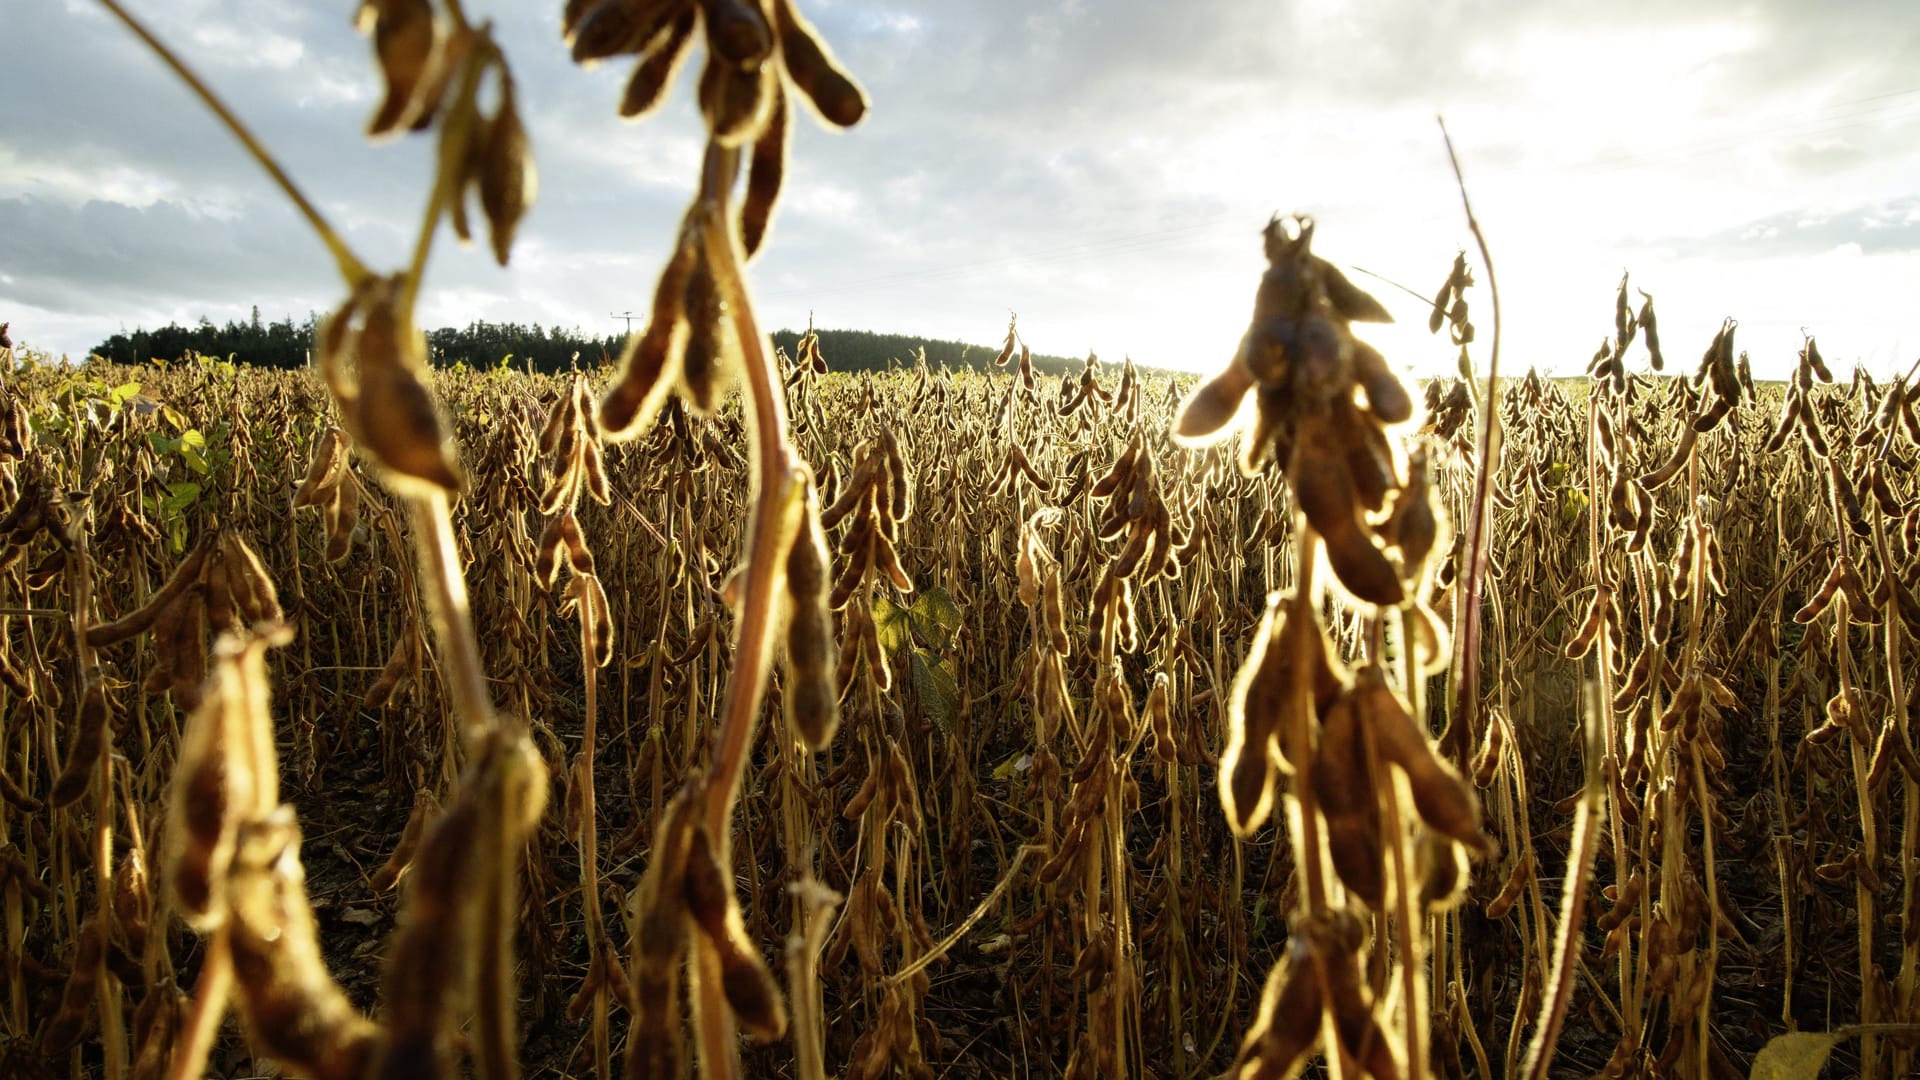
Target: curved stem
[(1573, 899), (446, 588), (770, 527), (1464, 675)]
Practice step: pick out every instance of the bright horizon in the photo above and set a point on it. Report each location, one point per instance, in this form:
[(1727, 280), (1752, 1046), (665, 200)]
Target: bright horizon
[(1104, 170)]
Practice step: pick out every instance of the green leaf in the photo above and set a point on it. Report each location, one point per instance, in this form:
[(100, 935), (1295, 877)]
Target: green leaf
[(180, 496), (125, 390), (195, 460), (935, 686), (192, 437), (1013, 766), (893, 624), (1796, 1055), (936, 617), (162, 444)]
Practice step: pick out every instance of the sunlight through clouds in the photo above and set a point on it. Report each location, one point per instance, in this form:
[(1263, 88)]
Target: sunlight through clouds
[(1104, 169)]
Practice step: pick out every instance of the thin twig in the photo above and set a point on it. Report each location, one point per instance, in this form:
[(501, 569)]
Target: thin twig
[(1466, 647)]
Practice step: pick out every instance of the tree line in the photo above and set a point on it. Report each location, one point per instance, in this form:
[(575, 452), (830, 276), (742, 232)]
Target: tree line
[(286, 344)]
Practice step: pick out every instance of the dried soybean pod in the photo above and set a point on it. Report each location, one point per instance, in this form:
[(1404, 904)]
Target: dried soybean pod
[(213, 788), (1811, 431), (613, 27), (1441, 866), (1344, 783), (1287, 1026), (654, 1047), (342, 515), (1265, 695), (294, 1010), (745, 978), (1824, 596), (596, 616), (1025, 569), (15, 795), (1054, 610), (1819, 365), (855, 490), (1789, 417), (1689, 434), (1160, 720), (647, 87), (901, 475), (428, 958), (888, 559), (1590, 624), (765, 169), (1386, 395), (1444, 800), (89, 740), (101, 635), (1119, 475), (546, 555), (1486, 763), (1510, 891), (390, 412), (390, 872), (254, 593), (579, 556), (877, 665), (813, 69), (853, 573), (1353, 1019), (63, 1032), (1326, 494), (650, 362), (508, 179), (1651, 329), (701, 381), (403, 40), (809, 696), (1206, 415), (737, 31), (329, 458)]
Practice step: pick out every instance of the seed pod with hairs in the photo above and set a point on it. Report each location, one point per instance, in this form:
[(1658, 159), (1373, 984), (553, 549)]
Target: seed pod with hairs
[(809, 696)]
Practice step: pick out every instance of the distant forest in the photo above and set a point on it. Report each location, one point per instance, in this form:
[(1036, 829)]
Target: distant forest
[(285, 344)]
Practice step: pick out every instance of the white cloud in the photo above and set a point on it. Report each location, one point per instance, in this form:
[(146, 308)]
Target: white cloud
[(1103, 169)]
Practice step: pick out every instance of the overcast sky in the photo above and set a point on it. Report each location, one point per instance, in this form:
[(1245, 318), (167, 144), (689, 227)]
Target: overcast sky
[(1103, 168)]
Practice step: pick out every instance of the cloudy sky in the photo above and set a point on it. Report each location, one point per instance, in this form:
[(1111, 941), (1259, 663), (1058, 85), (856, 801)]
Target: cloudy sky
[(1102, 167)]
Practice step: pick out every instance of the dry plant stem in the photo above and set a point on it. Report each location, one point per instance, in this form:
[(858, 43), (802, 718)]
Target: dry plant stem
[(774, 468), (1910, 821), (446, 588), (1573, 900), (773, 476), (1299, 736), (1701, 792), (589, 852), (350, 267), (1409, 925), (979, 912), (112, 1031), (445, 583), (202, 1022), (1465, 671)]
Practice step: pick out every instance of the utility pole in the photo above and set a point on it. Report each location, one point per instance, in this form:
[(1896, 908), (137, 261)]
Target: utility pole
[(627, 315)]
